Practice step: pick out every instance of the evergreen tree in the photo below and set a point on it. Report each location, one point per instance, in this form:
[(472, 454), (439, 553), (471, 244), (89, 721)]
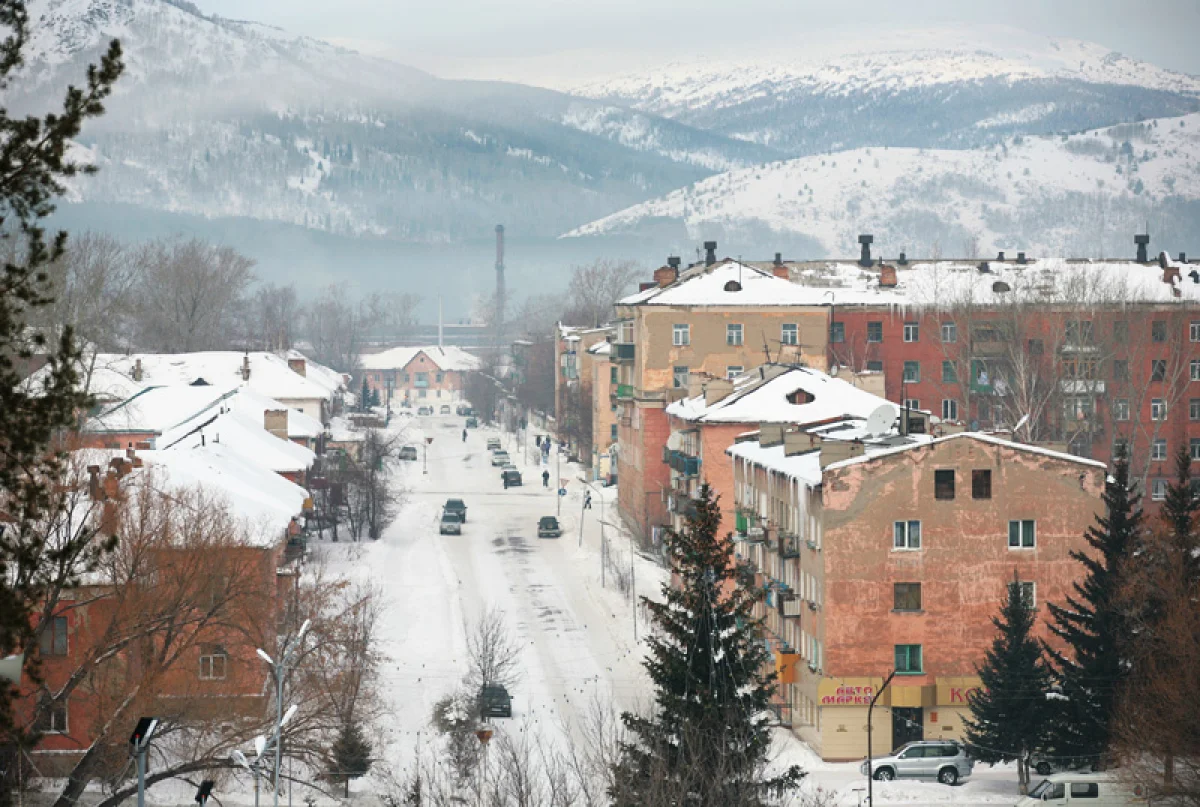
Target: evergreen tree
[(351, 755), (1007, 719), (706, 741), (35, 158), (365, 401), (1095, 627), (1179, 512)]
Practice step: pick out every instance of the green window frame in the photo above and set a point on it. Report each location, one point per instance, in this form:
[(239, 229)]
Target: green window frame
[(908, 659)]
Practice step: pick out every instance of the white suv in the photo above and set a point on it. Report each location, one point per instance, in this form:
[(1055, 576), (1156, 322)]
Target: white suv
[(944, 760)]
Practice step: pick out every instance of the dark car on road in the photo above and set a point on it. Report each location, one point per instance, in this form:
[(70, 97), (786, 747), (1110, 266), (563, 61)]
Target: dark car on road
[(451, 523), (472, 423), (494, 701), (408, 453), (511, 477), (548, 527), (456, 506)]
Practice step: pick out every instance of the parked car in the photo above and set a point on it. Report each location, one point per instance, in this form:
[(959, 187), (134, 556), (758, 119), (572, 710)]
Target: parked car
[(456, 506), (408, 453), (424, 410), (944, 760), (548, 527), (493, 444), (511, 477), (445, 409), (451, 523), (472, 423), (460, 410), (1046, 765), (500, 458), (468, 411), (494, 701), (1094, 790)]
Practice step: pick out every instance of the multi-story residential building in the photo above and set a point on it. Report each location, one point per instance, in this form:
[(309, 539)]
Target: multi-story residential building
[(419, 375), (573, 386), (894, 553), (604, 412), (713, 320)]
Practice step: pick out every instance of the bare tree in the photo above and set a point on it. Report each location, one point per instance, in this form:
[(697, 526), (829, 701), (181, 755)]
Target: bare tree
[(338, 328), (276, 316), (372, 499), (92, 282), (595, 287), (492, 652)]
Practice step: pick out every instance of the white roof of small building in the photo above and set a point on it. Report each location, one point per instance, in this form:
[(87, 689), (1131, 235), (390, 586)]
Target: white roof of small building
[(706, 286), (805, 467), (445, 358), (269, 373)]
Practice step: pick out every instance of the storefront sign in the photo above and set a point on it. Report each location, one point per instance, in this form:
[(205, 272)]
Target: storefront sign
[(849, 696)]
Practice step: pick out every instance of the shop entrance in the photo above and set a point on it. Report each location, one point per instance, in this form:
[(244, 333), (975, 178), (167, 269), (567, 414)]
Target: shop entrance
[(908, 725)]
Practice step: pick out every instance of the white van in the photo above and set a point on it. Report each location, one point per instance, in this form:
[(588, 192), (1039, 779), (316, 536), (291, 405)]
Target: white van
[(1082, 790)]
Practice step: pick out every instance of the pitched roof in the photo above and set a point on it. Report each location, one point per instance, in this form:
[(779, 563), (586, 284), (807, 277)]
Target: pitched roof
[(981, 437), (269, 373), (445, 358), (729, 283)]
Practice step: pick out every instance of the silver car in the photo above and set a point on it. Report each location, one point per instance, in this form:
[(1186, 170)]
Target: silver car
[(944, 760)]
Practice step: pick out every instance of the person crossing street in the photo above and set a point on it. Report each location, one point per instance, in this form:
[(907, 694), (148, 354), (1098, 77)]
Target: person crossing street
[(546, 478)]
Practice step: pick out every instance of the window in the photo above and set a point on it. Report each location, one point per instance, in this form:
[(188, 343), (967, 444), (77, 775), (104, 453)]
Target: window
[(1158, 490), (626, 333), (907, 535), (733, 371), (789, 334), (680, 377), (1022, 534), (1194, 448), (53, 641), (612, 375), (1195, 368), (912, 372), (733, 335), (1194, 332), (1036, 347), (1028, 594), (440, 376), (906, 596), (53, 719), (949, 333), (1085, 790), (681, 335), (1158, 369), (1194, 409), (875, 367), (981, 484), (1158, 409), (874, 331), (1120, 370), (214, 662), (405, 377), (949, 409), (612, 432), (912, 403), (1158, 449), (1120, 409), (1158, 330), (1079, 332), (837, 332), (949, 373), (912, 332), (908, 659), (943, 484), (1121, 332)]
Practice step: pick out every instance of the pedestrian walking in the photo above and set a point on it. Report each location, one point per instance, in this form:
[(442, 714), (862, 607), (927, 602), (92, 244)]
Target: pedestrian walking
[(464, 435), (587, 500), (546, 478)]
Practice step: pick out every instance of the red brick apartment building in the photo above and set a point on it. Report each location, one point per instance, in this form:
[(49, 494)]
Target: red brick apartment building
[(419, 375)]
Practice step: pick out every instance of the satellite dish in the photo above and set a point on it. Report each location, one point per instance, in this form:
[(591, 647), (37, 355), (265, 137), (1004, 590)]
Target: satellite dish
[(880, 421), (674, 441)]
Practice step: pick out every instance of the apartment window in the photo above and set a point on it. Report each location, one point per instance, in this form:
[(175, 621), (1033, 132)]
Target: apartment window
[(1158, 369), (440, 376), (733, 335), (405, 377), (1036, 347), (949, 373), (1195, 368), (1079, 332), (1022, 534), (1120, 370), (912, 372), (949, 333), (837, 332), (1120, 447), (214, 662), (875, 366), (53, 641), (612, 432), (612, 375), (906, 535), (943, 484), (1121, 332), (1028, 594), (981, 484), (912, 332), (1158, 330), (1194, 409), (733, 371), (680, 377), (908, 659), (789, 334), (1194, 448), (1158, 449), (874, 331), (681, 335), (906, 596), (1158, 409), (1194, 332), (53, 719), (949, 409), (1120, 409), (626, 333), (1158, 490), (912, 403)]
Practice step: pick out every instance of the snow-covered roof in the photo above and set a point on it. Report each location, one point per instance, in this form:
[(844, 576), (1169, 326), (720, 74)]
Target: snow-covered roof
[(254, 406), (158, 410), (270, 374), (805, 467), (764, 399), (601, 349), (981, 437), (341, 430), (318, 373), (445, 358), (707, 285), (244, 437)]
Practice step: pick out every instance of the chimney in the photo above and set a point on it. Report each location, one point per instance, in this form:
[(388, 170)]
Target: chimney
[(887, 276), (710, 253), (246, 367), (1000, 256), (275, 421), (903, 259), (779, 259), (1142, 240), (779, 269), (866, 241), (137, 369), (665, 275), (299, 366), (94, 489), (1183, 257), (717, 390), (673, 261), (1021, 258)]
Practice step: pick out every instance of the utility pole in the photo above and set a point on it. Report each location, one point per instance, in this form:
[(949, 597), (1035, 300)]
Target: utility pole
[(558, 478), (139, 743), (870, 709)]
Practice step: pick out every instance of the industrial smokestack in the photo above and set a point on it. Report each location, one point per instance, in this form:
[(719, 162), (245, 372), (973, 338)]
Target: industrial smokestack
[(440, 334)]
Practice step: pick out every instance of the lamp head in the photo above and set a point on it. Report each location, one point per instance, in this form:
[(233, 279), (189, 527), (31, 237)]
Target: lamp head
[(262, 654)]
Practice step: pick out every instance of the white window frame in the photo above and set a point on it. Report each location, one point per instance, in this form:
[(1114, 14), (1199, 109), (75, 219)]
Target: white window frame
[(1194, 448), (1158, 409), (1030, 600), (916, 365), (1021, 522), (1158, 490), (1194, 409), (789, 334), (1194, 366), (1120, 409), (1158, 449), (209, 661), (902, 532), (949, 409), (1194, 331), (912, 332), (675, 377), (912, 403), (878, 341), (58, 708), (733, 371), (949, 329), (681, 334), (735, 335)]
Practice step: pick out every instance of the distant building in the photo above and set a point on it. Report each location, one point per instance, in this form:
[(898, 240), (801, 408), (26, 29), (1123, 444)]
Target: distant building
[(604, 412), (415, 374), (573, 386)]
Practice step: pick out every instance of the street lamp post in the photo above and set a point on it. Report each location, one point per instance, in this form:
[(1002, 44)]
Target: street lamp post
[(279, 671), (139, 743), (870, 709), (425, 458)]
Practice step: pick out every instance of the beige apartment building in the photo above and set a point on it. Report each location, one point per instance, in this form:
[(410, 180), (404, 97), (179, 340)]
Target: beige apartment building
[(604, 412)]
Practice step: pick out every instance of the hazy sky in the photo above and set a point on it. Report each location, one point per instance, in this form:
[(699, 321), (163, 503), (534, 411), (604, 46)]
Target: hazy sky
[(545, 39)]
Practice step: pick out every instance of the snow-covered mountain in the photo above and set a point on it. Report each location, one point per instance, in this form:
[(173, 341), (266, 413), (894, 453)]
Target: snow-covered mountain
[(926, 88), (1080, 195)]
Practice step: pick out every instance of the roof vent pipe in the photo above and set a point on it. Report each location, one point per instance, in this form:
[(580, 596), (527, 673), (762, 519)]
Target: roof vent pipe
[(866, 241), (1000, 256), (779, 259), (1021, 257), (1142, 240), (903, 259), (710, 253)]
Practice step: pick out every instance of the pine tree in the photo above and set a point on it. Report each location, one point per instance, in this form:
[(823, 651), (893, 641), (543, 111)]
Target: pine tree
[(1095, 628), (1179, 512), (365, 402), (706, 741), (1007, 719), (351, 755)]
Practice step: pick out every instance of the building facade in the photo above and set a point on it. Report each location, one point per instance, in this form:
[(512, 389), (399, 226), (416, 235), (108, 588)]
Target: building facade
[(415, 376), (604, 412), (573, 386)]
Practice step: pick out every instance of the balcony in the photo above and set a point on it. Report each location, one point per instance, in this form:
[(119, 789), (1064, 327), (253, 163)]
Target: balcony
[(622, 352), (791, 607), (789, 546), (756, 535), (623, 392)]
